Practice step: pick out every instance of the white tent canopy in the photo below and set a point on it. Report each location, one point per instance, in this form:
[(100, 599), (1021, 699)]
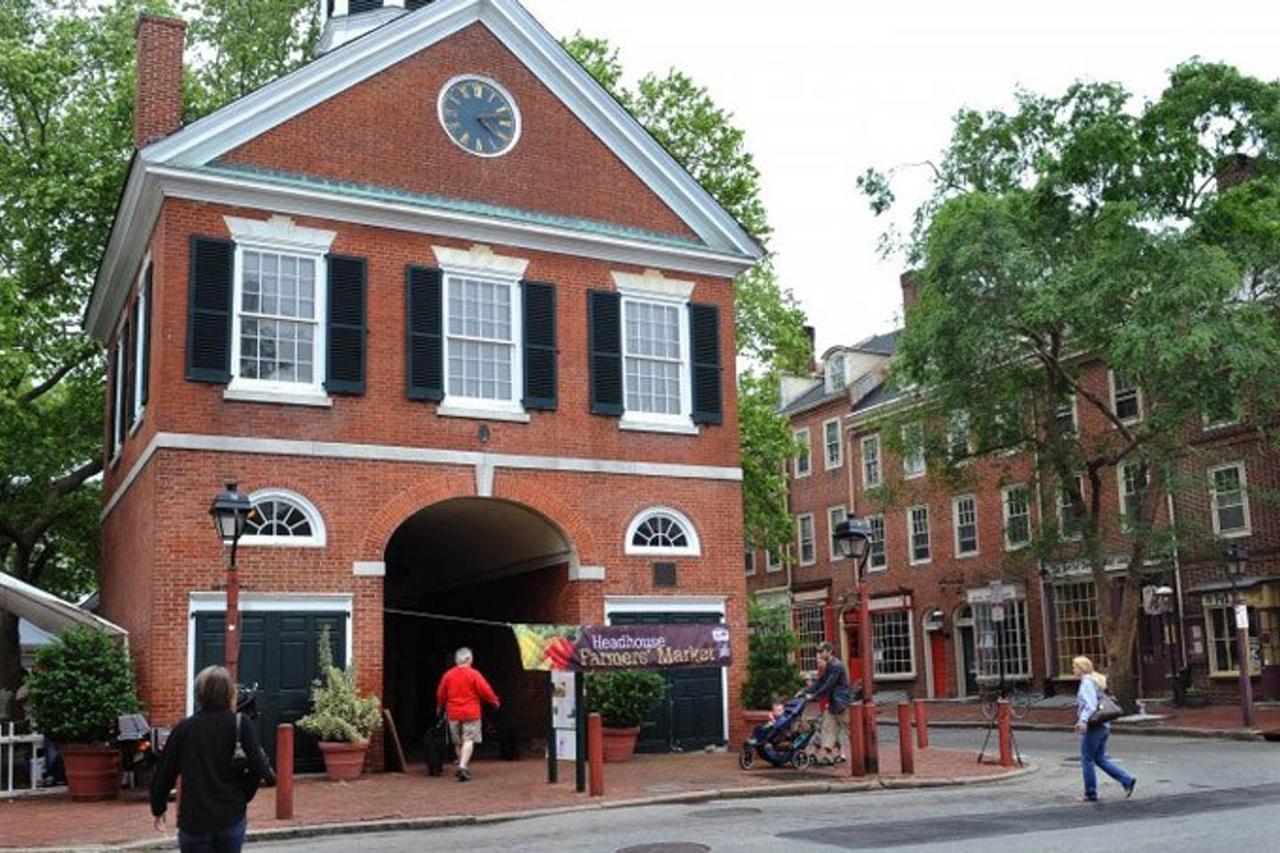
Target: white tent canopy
[(47, 611)]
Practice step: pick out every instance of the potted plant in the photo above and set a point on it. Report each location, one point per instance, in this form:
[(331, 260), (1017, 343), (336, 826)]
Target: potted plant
[(771, 669), (81, 684), (340, 717), (623, 700)]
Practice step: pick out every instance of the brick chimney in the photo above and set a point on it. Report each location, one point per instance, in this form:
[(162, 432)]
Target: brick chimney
[(910, 290), (157, 107)]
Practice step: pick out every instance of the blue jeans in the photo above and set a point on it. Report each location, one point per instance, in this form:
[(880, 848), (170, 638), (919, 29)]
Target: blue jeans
[(227, 841), (1093, 750)]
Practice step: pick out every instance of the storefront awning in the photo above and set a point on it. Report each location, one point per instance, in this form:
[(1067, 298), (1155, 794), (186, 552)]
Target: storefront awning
[(48, 612), (1254, 591)]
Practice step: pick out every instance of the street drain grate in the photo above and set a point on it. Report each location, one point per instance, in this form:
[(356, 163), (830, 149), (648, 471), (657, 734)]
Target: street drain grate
[(666, 847), (727, 812)]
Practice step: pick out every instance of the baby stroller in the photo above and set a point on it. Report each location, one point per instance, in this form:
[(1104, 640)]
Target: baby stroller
[(784, 742)]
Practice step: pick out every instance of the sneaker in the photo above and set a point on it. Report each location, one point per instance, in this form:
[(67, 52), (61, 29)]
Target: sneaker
[(1128, 790), (463, 775), (1087, 799)]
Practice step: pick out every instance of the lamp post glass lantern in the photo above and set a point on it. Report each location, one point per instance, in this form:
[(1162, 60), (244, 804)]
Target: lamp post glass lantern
[(853, 535), (1237, 558), (230, 510)]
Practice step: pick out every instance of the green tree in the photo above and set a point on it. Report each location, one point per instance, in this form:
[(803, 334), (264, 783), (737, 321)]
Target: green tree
[(771, 665), (682, 116), (1084, 227)]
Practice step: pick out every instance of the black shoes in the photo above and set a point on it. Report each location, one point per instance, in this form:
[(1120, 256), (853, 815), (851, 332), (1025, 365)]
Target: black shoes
[(463, 775), (1128, 790)]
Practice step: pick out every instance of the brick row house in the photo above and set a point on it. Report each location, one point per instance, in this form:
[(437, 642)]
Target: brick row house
[(464, 333), (949, 536)]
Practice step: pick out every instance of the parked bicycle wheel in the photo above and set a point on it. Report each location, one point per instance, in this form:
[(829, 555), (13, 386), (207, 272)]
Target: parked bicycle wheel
[(1019, 702), (988, 703)]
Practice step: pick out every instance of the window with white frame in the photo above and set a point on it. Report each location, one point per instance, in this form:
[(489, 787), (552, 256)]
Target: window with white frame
[(1223, 408), (964, 510), (918, 533), (913, 463), (118, 385), (811, 629), (1064, 417), (959, 439), (283, 518), (803, 462), (804, 538), (1079, 631), (871, 470), (835, 515), (1070, 514), (891, 643), (1126, 398), (662, 531), (1221, 625), (1230, 500), (1016, 502), (835, 372), (750, 562), (832, 446), (655, 350), (1132, 479), (482, 361), (1006, 641), (772, 561), (877, 559), (139, 345)]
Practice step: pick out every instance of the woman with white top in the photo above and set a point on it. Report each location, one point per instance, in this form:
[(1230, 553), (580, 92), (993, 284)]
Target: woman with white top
[(1093, 741)]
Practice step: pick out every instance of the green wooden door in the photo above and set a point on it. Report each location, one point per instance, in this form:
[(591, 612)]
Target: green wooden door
[(691, 715), (278, 652)]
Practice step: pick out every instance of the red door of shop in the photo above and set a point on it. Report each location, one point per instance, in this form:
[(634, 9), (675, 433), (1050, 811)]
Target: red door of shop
[(938, 658)]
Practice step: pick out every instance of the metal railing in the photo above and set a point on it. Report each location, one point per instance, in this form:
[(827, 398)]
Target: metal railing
[(10, 740)]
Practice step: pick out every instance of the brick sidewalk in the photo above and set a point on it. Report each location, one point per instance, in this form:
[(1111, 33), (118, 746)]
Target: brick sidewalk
[(498, 787), (1224, 718)]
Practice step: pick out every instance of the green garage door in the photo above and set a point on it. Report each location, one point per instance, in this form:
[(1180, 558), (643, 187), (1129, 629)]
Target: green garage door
[(278, 653), (691, 716)]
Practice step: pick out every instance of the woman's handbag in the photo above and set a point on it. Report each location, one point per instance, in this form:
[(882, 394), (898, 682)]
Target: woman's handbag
[(1108, 709)]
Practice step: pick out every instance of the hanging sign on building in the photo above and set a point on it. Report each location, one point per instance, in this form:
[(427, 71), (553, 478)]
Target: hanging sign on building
[(615, 647)]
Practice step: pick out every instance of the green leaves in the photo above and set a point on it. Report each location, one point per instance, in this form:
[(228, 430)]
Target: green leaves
[(624, 699), (81, 682), (771, 646), (339, 713)]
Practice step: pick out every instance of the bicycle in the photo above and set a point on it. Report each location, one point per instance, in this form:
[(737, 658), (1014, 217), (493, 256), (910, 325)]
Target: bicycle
[(1017, 694)]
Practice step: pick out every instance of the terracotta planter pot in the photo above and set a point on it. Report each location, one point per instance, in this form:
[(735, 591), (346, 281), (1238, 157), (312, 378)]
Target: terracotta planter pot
[(93, 772), (344, 761), (620, 744)]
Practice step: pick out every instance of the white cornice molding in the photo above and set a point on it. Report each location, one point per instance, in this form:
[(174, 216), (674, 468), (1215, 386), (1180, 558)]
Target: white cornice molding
[(479, 259), (653, 283)]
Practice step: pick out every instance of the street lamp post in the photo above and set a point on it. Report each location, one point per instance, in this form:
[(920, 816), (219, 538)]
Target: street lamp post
[(1237, 560), (230, 510), (854, 538)]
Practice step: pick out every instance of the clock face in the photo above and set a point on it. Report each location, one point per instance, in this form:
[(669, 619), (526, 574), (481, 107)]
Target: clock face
[(479, 116)]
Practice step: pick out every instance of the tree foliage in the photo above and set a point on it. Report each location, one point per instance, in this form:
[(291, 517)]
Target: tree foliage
[(771, 648), (81, 683), (1080, 228), (339, 714)]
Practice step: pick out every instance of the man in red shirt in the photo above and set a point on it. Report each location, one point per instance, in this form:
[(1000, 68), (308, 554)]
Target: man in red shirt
[(459, 695)]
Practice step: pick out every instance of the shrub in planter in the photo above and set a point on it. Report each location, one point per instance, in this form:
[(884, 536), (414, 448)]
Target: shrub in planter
[(340, 717), (81, 683), (623, 700), (771, 646)]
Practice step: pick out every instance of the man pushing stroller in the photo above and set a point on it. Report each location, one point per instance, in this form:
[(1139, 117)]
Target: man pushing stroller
[(834, 687)]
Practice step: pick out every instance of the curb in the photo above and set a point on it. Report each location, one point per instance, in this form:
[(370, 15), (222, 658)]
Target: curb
[(1151, 731), (290, 833)]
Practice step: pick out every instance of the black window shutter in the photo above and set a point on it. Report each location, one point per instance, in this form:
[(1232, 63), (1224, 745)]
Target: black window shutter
[(131, 364), (346, 333), (145, 331), (424, 344), (209, 310), (540, 391), (604, 332), (704, 337)]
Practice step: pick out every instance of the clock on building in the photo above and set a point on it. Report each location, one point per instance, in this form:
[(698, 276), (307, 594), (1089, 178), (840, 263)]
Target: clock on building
[(479, 116)]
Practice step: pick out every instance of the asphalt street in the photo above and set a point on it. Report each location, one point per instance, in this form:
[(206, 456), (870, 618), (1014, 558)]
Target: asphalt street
[(1202, 795)]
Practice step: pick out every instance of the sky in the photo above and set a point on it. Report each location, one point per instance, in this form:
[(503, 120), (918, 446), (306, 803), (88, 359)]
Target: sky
[(826, 89)]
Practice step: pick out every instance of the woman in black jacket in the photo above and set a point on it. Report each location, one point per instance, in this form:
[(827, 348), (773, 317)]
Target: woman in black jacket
[(216, 787)]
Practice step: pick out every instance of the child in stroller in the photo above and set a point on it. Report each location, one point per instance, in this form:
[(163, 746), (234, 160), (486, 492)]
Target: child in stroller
[(783, 741)]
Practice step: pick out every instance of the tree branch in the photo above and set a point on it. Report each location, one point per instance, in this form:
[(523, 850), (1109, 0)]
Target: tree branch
[(52, 382)]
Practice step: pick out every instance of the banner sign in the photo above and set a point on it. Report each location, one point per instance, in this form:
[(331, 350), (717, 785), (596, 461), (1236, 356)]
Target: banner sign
[(591, 647)]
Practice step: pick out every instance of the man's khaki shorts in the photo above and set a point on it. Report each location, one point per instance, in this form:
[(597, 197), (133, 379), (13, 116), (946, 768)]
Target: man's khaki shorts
[(835, 730), (461, 731)]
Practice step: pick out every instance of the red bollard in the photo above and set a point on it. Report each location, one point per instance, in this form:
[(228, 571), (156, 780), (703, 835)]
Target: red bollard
[(595, 753), (904, 739), (857, 743), (1005, 722), (922, 726), (284, 771), (872, 736)]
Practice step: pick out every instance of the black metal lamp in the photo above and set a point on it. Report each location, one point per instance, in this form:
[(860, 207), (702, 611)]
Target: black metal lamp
[(853, 536), (1237, 559), (230, 510)]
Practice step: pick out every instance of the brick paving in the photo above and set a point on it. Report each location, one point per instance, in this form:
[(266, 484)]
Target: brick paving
[(1224, 718), (498, 787)]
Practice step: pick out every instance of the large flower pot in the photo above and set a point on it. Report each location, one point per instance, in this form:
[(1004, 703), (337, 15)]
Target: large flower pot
[(93, 772), (620, 744), (344, 761)]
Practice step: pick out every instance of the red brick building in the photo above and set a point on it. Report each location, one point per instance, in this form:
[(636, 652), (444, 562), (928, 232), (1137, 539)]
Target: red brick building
[(465, 333), (946, 533)]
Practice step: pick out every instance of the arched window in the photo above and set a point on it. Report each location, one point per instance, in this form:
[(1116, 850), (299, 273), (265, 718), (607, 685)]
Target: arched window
[(663, 531), (283, 519)]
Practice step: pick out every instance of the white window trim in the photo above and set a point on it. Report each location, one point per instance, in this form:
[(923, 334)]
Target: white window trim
[(959, 418), (1004, 512), (653, 287), (955, 527), (911, 544), (828, 464), (139, 336), (1062, 513), (908, 455), (831, 543), (771, 565), (885, 567), (1111, 380), (1210, 641), (911, 644), (281, 234), (800, 539), (807, 455), (1120, 492), (1247, 530), (693, 549), (118, 397), (318, 537), (862, 457), (1209, 426), (1075, 413)]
